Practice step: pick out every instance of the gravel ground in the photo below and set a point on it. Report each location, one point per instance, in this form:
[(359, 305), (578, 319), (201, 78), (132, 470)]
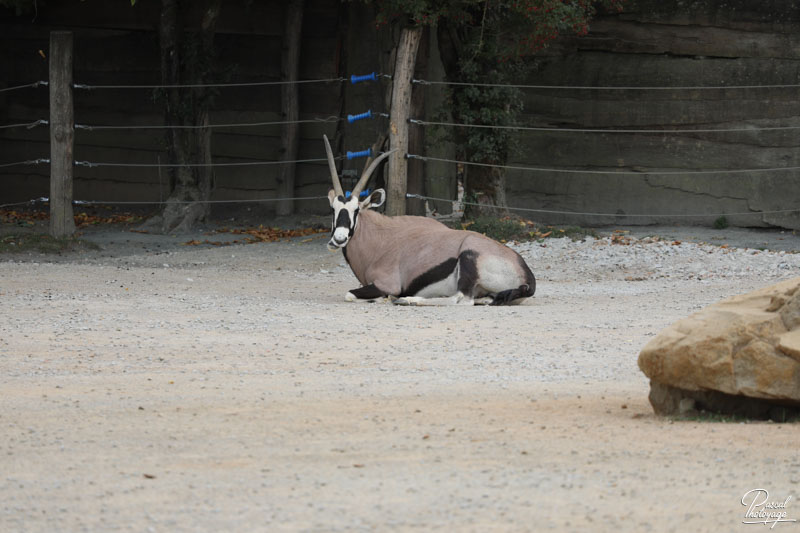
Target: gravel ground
[(149, 386)]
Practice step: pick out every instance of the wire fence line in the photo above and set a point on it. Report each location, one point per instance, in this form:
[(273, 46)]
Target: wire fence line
[(320, 120), (205, 85), (632, 215), (165, 202), (604, 130), (92, 164), (423, 123), (189, 202), (26, 162), (605, 172), (608, 87), (25, 86), (418, 122), (91, 127), (353, 79), (643, 172), (409, 195), (16, 204), (27, 125), (83, 86)]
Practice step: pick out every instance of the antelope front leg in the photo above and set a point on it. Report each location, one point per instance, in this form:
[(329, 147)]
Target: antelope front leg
[(368, 293)]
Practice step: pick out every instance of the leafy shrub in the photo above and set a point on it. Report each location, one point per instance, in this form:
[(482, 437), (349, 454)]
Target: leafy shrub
[(721, 223)]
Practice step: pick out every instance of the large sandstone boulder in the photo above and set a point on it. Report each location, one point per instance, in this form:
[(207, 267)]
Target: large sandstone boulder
[(740, 355)]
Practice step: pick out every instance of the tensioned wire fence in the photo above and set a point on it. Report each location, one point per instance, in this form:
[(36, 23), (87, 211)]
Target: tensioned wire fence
[(230, 125), (420, 122)]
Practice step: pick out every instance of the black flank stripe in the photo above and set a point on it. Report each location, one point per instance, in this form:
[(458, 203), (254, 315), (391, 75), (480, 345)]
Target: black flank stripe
[(437, 273)]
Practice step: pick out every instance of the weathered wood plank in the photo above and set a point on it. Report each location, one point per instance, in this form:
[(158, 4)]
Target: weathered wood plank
[(399, 114), (62, 223)]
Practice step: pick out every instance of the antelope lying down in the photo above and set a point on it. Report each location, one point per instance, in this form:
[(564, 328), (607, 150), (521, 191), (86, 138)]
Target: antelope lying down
[(416, 260)]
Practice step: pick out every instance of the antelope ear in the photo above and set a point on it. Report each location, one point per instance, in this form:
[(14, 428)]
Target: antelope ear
[(331, 196), (375, 199)]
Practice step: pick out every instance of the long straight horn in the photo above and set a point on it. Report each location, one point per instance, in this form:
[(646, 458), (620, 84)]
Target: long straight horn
[(370, 169), (337, 185)]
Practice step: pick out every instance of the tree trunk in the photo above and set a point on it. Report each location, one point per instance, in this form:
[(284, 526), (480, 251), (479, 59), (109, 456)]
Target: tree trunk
[(62, 135), (290, 100), (487, 188), (398, 120), (169, 37), (204, 176), (190, 186)]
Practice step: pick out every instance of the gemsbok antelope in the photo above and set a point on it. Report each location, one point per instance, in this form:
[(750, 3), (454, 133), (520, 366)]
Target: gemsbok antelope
[(417, 260)]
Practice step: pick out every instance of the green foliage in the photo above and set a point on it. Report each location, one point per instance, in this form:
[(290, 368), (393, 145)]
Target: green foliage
[(514, 27), (575, 233), (421, 12), (513, 228), (490, 106), (489, 43), (500, 229), (721, 222)]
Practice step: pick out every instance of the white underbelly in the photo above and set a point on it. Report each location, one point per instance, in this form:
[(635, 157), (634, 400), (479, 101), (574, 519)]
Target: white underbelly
[(445, 287)]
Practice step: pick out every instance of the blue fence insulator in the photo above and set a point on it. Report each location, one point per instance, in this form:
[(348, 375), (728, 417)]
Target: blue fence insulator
[(365, 77), (362, 153), (362, 194), (365, 114)]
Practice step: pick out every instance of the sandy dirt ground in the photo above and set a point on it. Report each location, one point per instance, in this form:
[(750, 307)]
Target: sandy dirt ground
[(150, 386)]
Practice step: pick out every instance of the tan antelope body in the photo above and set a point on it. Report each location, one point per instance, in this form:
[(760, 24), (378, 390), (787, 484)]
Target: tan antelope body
[(418, 260)]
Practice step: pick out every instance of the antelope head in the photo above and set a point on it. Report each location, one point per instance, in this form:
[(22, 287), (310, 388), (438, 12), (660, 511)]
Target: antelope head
[(345, 210)]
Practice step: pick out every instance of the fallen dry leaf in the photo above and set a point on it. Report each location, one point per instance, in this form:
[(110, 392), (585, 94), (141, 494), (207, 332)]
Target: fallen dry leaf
[(81, 219)]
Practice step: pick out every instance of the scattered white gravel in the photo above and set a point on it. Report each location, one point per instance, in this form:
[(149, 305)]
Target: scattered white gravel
[(151, 386), (627, 258)]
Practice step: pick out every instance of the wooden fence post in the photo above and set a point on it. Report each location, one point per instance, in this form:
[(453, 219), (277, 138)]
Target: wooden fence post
[(396, 184), (62, 135), (416, 134)]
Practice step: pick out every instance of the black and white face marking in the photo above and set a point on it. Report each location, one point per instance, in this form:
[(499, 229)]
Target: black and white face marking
[(345, 217)]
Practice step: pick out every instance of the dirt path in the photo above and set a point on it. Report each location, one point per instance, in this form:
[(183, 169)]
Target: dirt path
[(168, 388)]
